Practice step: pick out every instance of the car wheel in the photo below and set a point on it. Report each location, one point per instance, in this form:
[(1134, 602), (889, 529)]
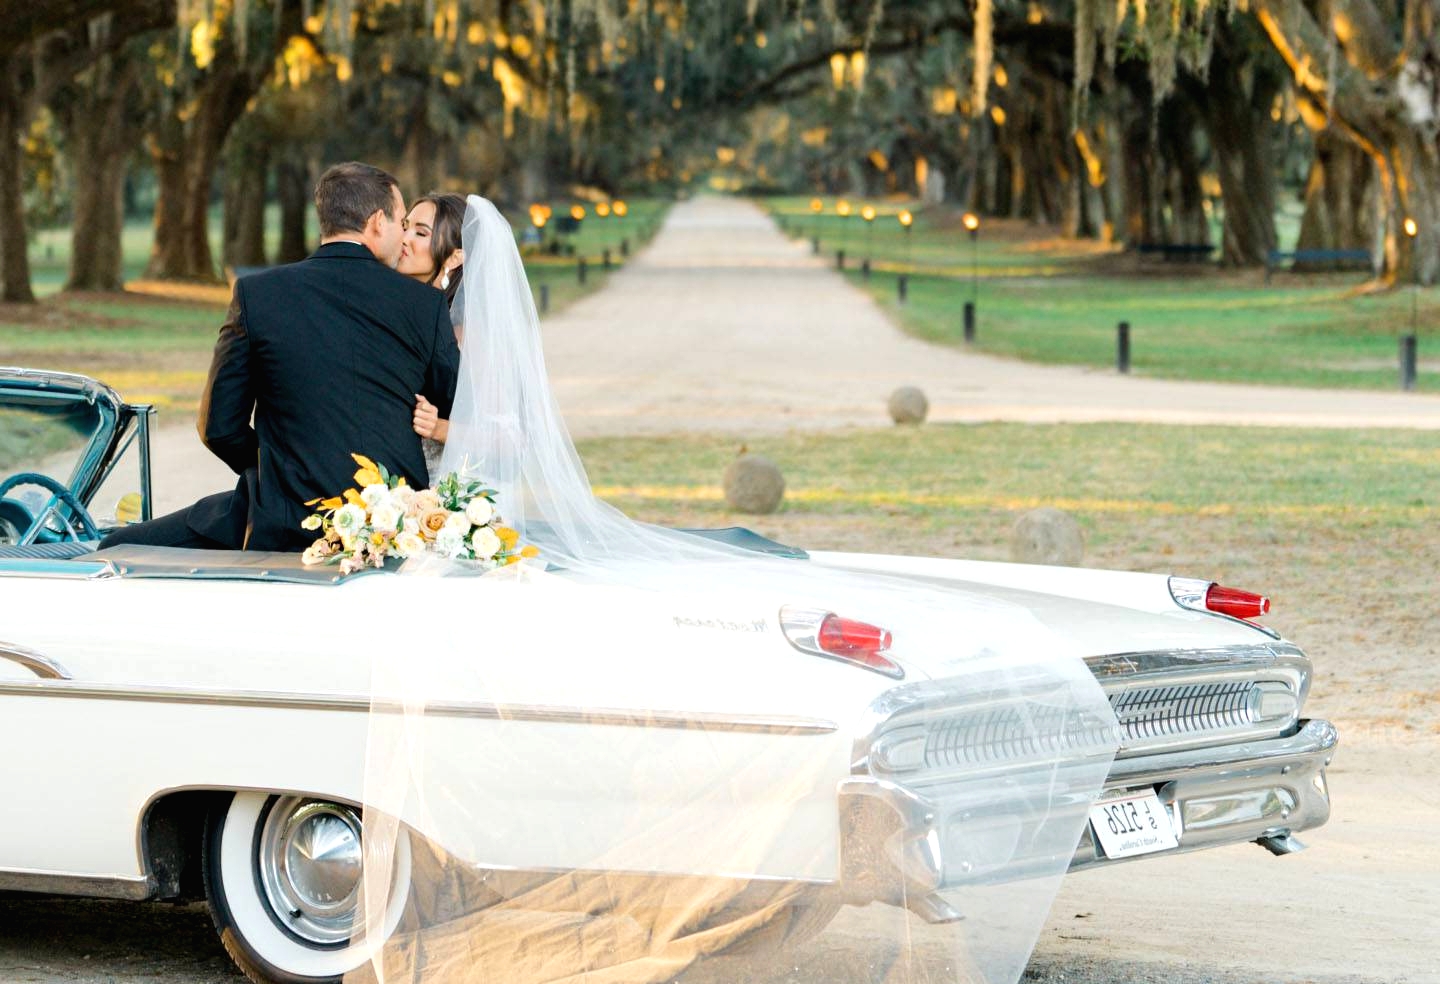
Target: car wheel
[(282, 876)]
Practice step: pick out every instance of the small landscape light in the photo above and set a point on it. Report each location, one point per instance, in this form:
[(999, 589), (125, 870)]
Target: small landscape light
[(620, 209), (843, 208), (972, 222), (1411, 229), (603, 210), (817, 206), (577, 212), (868, 213), (905, 218)]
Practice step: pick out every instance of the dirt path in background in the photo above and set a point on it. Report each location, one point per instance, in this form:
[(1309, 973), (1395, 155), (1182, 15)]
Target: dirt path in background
[(724, 324)]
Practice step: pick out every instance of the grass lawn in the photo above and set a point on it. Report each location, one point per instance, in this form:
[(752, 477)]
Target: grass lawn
[(1057, 301), (153, 343), (1340, 527)]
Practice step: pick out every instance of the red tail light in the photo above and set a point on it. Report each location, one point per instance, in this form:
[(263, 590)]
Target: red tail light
[(823, 633), (851, 639), (1233, 601)]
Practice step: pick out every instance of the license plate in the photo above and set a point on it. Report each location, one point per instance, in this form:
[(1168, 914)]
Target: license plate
[(1132, 824)]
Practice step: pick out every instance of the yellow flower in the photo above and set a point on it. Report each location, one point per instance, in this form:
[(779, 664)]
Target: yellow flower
[(353, 497), (334, 502), (369, 473), (507, 536), (530, 550), (378, 539)]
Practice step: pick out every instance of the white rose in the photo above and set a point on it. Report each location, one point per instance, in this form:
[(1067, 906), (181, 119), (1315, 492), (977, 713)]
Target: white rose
[(348, 519), (479, 511), (484, 543), (385, 518), (458, 523), (402, 496), (449, 542), (375, 496), (409, 545)]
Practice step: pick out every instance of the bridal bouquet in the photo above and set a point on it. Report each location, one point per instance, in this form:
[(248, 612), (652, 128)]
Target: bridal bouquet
[(457, 519)]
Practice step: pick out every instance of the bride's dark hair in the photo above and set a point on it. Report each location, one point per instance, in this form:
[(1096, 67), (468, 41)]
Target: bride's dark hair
[(445, 236)]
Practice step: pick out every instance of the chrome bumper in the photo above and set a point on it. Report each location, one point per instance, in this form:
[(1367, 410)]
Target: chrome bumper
[(900, 845)]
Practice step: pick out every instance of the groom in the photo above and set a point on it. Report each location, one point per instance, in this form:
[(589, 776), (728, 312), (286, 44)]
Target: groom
[(326, 356)]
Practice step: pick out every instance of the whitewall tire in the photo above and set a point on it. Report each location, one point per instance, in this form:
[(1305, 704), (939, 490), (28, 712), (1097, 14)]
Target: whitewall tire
[(282, 876)]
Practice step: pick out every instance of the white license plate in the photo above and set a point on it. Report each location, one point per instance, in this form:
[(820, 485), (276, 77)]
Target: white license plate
[(1132, 824)]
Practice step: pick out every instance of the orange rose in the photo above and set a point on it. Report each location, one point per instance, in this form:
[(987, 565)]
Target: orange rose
[(432, 521)]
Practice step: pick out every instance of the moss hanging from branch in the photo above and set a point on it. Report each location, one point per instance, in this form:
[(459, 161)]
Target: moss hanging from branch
[(985, 53), (1171, 34)]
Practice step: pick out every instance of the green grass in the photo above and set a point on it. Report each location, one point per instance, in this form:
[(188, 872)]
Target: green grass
[(1053, 301), (1097, 470)]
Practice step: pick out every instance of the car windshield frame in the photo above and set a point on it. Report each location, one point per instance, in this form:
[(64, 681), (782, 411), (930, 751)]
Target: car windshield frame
[(115, 424)]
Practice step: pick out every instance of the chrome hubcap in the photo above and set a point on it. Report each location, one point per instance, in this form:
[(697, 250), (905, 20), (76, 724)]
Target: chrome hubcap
[(309, 863)]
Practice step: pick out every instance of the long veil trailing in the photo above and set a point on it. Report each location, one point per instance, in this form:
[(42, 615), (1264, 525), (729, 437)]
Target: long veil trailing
[(626, 767)]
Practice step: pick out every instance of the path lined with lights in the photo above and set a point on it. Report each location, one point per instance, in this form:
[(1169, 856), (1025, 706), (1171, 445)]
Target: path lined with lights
[(722, 324)]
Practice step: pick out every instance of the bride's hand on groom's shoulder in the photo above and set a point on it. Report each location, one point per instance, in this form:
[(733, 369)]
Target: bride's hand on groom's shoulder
[(427, 420)]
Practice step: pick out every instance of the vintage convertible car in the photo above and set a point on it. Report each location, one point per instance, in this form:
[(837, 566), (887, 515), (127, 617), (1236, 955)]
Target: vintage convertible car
[(186, 723)]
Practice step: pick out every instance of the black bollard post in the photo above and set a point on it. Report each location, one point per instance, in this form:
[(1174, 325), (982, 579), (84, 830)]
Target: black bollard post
[(605, 258), (839, 259), (902, 287), (1122, 347), (580, 269), (815, 245), (544, 298), (624, 247), (969, 322), (865, 269), (1409, 352)]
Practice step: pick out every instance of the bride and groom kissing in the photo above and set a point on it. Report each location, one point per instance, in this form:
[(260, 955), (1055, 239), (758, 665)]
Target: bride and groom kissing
[(351, 349)]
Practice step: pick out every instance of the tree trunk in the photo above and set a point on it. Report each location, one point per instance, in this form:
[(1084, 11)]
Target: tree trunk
[(185, 154), (14, 243), (1382, 95), (101, 134), (1236, 105), (1340, 197), (421, 153), (245, 174), (292, 186), (1144, 188)]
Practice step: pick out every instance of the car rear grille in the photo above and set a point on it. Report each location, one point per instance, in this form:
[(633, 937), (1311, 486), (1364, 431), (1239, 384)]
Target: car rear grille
[(1148, 716), (1011, 734), (1164, 712)]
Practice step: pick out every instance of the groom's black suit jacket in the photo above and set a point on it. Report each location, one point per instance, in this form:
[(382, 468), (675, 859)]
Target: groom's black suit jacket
[(328, 354)]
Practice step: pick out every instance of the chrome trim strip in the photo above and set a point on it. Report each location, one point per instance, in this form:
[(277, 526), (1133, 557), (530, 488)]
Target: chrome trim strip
[(132, 887), (70, 570), (42, 666), (607, 716)]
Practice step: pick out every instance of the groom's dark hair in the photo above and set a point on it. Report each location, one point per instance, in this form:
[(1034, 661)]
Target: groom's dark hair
[(348, 194)]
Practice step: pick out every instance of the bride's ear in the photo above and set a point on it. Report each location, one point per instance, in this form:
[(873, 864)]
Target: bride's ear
[(456, 260)]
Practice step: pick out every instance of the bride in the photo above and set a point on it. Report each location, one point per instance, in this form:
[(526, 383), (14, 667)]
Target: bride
[(469, 923)]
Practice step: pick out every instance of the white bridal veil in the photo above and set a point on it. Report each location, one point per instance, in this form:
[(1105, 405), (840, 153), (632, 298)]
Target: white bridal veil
[(617, 769)]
